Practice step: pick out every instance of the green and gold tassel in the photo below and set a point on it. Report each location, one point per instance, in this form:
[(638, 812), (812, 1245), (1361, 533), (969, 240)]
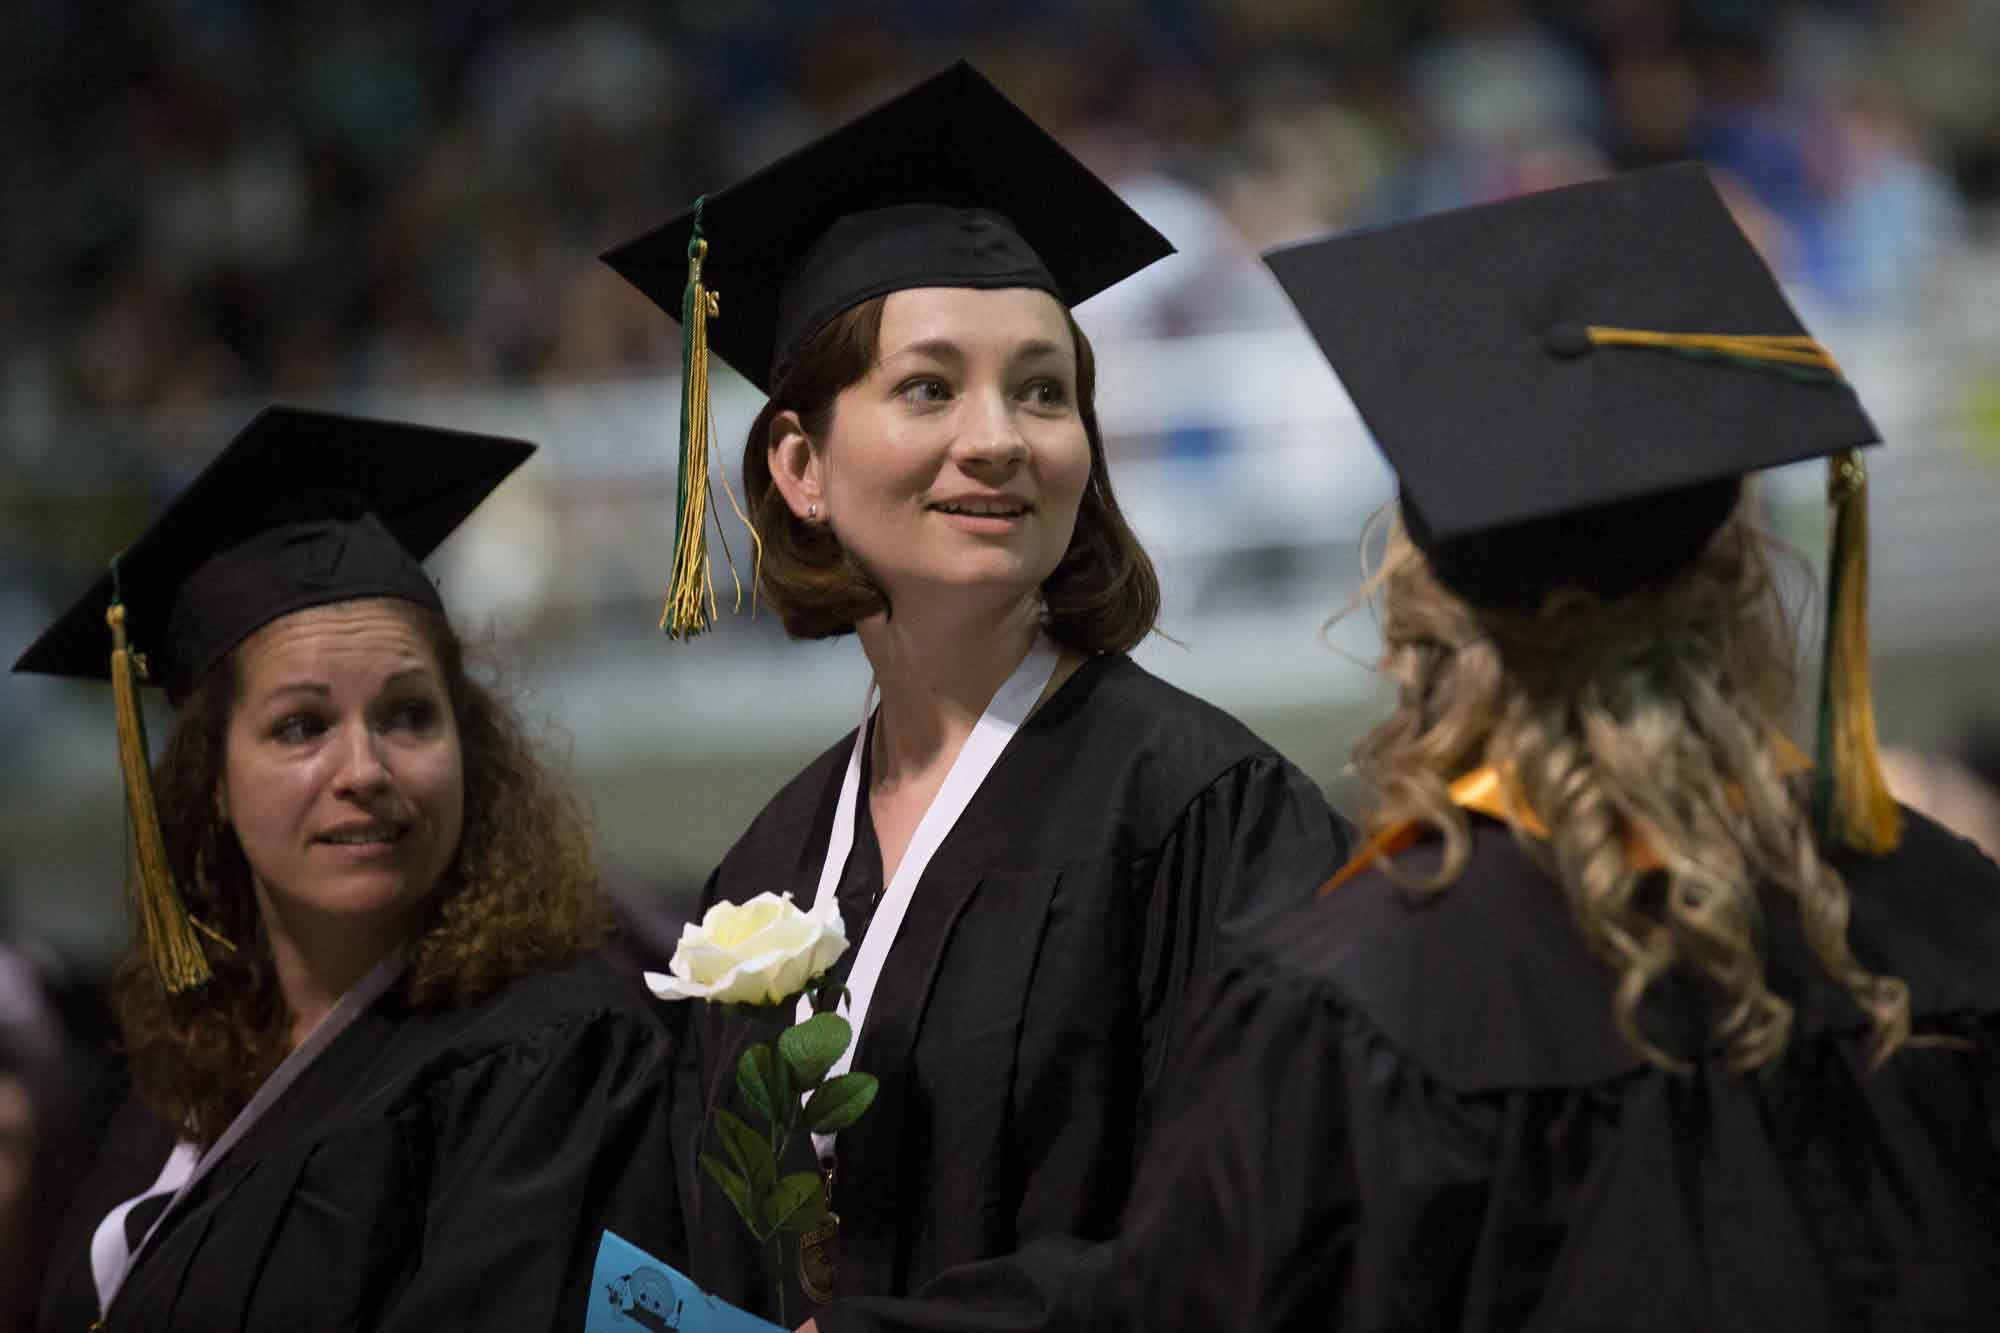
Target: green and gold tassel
[(1796, 355), (172, 936), (690, 604), (690, 607), (1857, 810)]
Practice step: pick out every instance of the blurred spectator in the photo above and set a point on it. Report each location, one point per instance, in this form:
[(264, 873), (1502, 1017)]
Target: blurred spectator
[(322, 199), (57, 1089)]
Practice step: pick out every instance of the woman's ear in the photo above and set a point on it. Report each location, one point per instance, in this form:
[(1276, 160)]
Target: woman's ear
[(796, 468)]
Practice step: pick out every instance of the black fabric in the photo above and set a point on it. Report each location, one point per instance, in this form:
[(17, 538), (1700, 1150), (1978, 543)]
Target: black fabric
[(1036, 990), (144, 1213), (299, 509), (999, 203), (860, 887), (435, 1169), (281, 570), (883, 250), (1458, 336), (1402, 1115), (1610, 549)]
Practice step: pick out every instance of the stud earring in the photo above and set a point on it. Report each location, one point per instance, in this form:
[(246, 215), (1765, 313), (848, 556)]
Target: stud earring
[(812, 512)]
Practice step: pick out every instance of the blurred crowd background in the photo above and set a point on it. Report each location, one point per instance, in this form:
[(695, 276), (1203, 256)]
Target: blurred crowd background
[(212, 204)]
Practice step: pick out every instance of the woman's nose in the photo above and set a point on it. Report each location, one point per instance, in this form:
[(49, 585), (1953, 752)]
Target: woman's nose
[(362, 772), (993, 433)]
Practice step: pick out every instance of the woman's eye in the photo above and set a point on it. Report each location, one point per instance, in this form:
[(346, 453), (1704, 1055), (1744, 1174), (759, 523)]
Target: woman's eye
[(297, 728), (924, 390), (416, 715), (1047, 393)]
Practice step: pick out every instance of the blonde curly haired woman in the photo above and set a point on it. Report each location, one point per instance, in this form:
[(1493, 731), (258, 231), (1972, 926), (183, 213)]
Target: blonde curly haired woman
[(1604, 1029)]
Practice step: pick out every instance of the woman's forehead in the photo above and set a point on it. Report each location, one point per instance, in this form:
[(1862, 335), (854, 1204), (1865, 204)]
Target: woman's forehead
[(1004, 321), (383, 634)]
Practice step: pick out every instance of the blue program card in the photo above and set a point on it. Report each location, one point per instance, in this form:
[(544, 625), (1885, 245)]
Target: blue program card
[(630, 1291)]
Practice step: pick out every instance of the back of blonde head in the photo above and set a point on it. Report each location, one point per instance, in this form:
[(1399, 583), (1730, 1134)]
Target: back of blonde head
[(1650, 715)]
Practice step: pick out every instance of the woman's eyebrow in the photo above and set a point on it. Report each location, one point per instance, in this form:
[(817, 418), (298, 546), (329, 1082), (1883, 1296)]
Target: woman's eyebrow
[(937, 349), (299, 686), (1037, 349)]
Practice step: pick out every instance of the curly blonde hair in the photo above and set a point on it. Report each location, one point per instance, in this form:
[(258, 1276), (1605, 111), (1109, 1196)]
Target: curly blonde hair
[(521, 895), (1647, 716)]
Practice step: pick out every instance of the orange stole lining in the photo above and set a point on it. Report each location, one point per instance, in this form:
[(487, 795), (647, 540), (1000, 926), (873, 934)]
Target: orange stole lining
[(1481, 791)]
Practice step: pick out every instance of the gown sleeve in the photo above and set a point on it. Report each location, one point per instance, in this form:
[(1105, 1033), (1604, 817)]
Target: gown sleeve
[(536, 1149), (1255, 843)]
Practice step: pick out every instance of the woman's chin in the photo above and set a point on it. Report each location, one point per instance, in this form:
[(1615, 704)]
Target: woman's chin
[(365, 899)]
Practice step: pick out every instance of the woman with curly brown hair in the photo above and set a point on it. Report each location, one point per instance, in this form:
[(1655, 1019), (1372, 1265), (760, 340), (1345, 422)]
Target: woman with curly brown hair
[(1627, 1017), (1036, 844), (379, 1079)]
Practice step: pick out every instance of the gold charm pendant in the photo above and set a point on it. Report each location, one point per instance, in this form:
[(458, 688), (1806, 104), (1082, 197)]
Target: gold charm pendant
[(818, 1252)]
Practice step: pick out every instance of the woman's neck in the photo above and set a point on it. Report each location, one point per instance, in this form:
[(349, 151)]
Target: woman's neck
[(937, 673), (317, 965)]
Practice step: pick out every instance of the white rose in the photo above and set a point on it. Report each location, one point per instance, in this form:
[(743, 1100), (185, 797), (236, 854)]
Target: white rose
[(758, 952)]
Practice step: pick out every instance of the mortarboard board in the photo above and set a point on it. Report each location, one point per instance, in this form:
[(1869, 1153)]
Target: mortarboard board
[(301, 509), (1570, 385), (947, 185)]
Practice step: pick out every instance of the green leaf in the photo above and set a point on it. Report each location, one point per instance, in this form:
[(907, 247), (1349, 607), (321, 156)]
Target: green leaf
[(749, 1150), (798, 1202), (810, 1049), (754, 1076), (738, 1190), (840, 1102)]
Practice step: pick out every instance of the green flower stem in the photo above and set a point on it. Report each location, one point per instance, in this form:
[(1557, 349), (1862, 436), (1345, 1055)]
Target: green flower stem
[(778, 1275)]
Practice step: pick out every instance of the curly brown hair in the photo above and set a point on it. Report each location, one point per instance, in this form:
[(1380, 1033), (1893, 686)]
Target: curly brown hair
[(1647, 714), (521, 895), (1104, 595)]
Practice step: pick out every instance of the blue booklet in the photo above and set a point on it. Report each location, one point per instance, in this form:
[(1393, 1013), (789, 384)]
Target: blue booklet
[(630, 1291)]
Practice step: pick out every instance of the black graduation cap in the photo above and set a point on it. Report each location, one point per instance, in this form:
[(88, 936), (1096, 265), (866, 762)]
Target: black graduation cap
[(300, 509), (948, 185), (1569, 384)]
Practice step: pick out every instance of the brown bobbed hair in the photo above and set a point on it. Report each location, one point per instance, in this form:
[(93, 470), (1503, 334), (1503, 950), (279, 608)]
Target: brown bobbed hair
[(521, 895), (1648, 714), (1103, 597)]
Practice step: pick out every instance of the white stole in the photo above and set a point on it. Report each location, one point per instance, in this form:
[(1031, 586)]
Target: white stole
[(1010, 707)]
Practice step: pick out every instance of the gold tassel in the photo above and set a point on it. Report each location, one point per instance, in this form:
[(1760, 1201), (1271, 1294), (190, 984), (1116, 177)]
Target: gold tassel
[(172, 944), (1858, 811)]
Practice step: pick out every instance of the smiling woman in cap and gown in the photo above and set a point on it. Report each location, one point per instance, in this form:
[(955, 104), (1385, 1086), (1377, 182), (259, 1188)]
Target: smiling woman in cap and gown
[(1627, 1016), (1035, 844), (379, 1079)]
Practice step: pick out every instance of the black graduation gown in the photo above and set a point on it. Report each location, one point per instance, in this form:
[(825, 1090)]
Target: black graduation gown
[(1036, 988), (443, 1169), (1400, 1116)]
